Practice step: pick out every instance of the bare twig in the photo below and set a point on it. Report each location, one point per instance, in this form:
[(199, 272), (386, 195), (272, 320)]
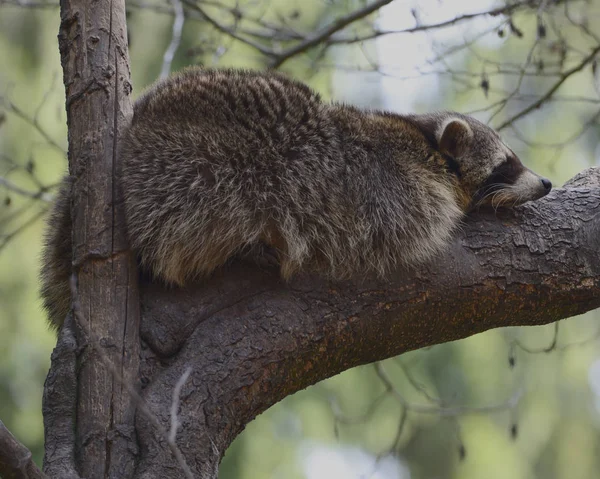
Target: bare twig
[(592, 121), (326, 32), (505, 10), (227, 30), (175, 38), (33, 121), (175, 405), (444, 411), (42, 194), (502, 104), (546, 96), (5, 239), (28, 4)]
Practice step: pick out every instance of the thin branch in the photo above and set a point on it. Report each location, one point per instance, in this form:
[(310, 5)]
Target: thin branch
[(5, 239), (416, 385), (28, 4), (546, 96), (33, 121), (516, 90), (444, 411), (15, 458), (175, 38), (558, 144), (227, 30), (175, 405), (326, 32), (340, 417), (36, 195), (581, 25), (547, 349), (506, 10)]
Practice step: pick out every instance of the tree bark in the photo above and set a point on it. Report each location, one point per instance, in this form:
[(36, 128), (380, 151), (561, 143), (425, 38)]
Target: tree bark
[(95, 60)]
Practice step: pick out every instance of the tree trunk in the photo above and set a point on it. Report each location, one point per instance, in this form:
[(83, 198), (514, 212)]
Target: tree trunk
[(95, 60)]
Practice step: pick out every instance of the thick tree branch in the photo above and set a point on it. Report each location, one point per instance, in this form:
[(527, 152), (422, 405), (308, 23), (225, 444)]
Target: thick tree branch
[(15, 458), (251, 340)]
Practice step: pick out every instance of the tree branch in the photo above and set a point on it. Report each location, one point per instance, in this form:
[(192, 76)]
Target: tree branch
[(41, 194), (33, 121), (59, 406), (324, 33), (505, 10), (546, 96), (15, 458), (227, 30), (169, 54), (251, 340)]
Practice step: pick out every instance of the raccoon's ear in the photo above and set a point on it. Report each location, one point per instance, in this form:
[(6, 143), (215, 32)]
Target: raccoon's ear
[(455, 137)]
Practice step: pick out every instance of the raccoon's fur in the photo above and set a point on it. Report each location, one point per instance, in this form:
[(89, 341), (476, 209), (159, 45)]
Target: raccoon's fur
[(218, 160)]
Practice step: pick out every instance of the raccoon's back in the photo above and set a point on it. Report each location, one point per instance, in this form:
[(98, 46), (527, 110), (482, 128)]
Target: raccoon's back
[(265, 109), (213, 157)]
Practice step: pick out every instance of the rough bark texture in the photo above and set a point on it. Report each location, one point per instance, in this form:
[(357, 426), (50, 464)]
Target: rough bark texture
[(94, 56)]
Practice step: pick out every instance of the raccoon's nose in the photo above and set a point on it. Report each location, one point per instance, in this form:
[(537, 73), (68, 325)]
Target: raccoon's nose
[(547, 184)]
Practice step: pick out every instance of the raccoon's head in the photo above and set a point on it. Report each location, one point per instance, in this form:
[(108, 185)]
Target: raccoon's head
[(487, 169)]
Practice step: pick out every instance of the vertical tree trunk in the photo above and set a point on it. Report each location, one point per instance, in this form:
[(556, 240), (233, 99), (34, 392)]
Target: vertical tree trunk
[(95, 61)]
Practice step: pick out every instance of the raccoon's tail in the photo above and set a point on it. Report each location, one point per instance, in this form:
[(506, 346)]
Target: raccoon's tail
[(56, 257)]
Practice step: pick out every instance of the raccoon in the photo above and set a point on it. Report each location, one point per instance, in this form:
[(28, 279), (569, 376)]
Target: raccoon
[(216, 161)]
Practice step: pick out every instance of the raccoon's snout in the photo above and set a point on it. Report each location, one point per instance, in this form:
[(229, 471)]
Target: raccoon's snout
[(527, 187), (547, 184), (544, 187)]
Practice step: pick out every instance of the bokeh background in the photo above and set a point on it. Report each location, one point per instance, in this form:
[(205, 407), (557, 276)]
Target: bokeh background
[(511, 403)]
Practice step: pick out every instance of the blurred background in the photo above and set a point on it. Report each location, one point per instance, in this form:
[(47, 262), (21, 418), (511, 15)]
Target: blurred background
[(511, 403)]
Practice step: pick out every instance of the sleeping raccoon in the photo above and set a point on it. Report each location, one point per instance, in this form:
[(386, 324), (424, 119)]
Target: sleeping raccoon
[(215, 161)]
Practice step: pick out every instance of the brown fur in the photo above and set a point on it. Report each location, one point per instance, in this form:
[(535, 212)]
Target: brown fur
[(218, 160), (56, 261)]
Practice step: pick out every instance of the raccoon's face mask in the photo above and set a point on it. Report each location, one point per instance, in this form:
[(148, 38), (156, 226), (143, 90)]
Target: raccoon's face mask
[(489, 171)]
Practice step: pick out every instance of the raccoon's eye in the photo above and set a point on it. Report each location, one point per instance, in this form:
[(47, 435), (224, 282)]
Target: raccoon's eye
[(452, 165), (507, 172)]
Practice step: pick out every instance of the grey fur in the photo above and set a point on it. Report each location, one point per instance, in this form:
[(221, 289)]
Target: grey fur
[(217, 160)]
